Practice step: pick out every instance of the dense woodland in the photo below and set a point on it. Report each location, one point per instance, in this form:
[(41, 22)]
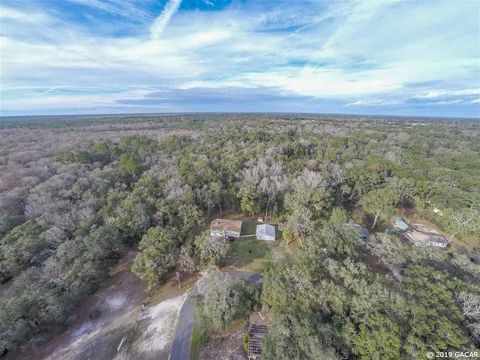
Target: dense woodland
[(76, 193)]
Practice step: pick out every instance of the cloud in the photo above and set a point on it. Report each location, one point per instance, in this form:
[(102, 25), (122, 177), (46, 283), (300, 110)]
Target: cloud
[(161, 22), (443, 93), (12, 14), (352, 55), (370, 102), (447, 102), (124, 8)]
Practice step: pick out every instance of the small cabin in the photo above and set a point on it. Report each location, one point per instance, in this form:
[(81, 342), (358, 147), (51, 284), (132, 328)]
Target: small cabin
[(265, 232), (226, 228)]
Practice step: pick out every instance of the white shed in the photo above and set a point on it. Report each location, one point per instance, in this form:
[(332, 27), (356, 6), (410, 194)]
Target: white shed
[(266, 232)]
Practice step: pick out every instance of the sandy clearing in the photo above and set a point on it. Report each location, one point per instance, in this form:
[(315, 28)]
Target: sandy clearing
[(113, 314), (134, 335), (156, 336)]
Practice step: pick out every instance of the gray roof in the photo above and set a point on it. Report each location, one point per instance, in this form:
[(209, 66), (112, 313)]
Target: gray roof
[(266, 229)]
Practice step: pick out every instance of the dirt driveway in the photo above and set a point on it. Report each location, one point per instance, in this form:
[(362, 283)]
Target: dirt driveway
[(111, 325)]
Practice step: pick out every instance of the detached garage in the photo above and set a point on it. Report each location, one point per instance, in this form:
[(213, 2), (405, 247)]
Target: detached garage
[(266, 232)]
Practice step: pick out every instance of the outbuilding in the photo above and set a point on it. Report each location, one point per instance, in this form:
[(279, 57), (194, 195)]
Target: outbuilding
[(265, 232)]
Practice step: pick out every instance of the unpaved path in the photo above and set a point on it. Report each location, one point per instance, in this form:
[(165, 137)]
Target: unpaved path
[(184, 330)]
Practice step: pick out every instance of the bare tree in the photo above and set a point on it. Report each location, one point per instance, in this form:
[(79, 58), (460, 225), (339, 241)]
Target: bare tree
[(470, 305), (471, 309), (185, 260), (268, 177), (464, 221)]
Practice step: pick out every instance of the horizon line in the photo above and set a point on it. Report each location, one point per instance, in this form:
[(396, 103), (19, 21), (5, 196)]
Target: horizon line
[(237, 113)]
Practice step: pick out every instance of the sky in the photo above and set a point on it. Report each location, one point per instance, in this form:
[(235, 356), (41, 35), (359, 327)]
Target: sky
[(414, 58)]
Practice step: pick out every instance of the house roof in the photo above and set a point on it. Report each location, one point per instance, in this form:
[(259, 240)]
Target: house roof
[(226, 225), (266, 229), (425, 238)]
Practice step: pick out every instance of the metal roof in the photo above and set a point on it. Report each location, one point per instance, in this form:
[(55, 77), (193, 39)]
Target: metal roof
[(266, 229)]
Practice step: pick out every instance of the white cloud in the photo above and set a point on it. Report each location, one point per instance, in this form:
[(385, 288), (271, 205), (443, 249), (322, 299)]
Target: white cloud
[(371, 102), (125, 8), (360, 52), (161, 22), (319, 82), (442, 93), (447, 102), (7, 13)]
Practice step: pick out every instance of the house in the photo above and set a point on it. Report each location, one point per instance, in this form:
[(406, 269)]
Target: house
[(226, 228), (257, 329), (265, 232), (420, 236)]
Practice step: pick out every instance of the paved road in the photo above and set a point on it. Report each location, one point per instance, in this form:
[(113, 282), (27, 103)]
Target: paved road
[(183, 334)]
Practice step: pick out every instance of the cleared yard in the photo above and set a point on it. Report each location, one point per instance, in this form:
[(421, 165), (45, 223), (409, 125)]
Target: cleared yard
[(249, 247), (248, 227), (250, 254)]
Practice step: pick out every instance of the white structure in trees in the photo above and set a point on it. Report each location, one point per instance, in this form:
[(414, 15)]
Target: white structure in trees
[(265, 232)]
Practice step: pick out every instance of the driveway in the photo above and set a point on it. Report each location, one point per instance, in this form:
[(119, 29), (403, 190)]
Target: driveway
[(184, 330)]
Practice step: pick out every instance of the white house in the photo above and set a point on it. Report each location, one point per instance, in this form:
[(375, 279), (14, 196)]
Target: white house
[(265, 232)]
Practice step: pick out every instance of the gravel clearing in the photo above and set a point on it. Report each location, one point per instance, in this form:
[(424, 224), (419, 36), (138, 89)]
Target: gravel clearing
[(155, 340)]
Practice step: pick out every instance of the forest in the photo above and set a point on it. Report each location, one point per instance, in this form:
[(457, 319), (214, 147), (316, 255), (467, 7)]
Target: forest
[(76, 193)]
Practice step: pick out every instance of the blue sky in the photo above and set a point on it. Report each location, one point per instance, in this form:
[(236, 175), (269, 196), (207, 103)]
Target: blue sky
[(359, 57)]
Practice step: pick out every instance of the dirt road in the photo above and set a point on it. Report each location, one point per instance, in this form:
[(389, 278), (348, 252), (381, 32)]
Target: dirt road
[(183, 333)]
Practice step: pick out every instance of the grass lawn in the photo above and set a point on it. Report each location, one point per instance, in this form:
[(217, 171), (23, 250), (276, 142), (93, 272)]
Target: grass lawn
[(250, 254), (249, 247), (249, 227)]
